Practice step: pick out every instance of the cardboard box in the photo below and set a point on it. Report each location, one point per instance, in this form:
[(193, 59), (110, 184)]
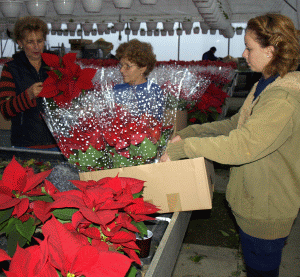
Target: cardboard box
[(183, 185)]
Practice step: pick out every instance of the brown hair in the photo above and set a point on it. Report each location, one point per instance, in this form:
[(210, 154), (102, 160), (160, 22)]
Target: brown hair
[(140, 53), (29, 23), (278, 31)]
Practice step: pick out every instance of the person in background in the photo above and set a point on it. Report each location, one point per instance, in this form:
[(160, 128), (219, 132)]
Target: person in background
[(137, 60), (261, 143), (20, 83), (210, 54), (106, 48)]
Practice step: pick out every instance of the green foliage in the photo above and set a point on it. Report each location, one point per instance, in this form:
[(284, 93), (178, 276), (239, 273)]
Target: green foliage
[(64, 213), (132, 271)]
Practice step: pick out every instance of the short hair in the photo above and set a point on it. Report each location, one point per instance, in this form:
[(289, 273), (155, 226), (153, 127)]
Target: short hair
[(278, 31), (140, 53), (214, 49), (29, 23)]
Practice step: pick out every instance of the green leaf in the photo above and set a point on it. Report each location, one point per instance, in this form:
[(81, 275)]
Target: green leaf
[(64, 213), (141, 227), (139, 194), (197, 258), (73, 159), (120, 161), (133, 150), (147, 149), (27, 228), (12, 222), (5, 214), (224, 233), (132, 271), (46, 198), (13, 239)]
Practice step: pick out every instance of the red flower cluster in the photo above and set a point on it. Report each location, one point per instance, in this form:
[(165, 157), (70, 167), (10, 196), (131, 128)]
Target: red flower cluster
[(115, 134), (101, 219), (211, 101), (66, 79)]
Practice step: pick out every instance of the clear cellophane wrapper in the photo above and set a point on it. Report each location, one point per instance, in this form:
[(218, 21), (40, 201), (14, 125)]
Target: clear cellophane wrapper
[(110, 128)]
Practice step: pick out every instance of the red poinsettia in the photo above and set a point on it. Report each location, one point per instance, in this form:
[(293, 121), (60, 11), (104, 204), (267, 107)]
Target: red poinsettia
[(73, 258), (67, 80), (17, 185)]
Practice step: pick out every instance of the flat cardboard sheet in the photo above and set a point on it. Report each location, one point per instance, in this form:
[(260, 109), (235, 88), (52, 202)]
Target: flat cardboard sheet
[(184, 185)]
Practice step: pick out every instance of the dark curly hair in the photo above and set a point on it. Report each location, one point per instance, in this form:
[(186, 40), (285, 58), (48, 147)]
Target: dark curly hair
[(278, 31), (29, 23), (140, 53)]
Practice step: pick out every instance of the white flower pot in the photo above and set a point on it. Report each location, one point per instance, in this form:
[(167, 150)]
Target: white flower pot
[(149, 33), (86, 33), (187, 25), (79, 33), (101, 27), (135, 26), (163, 32), (204, 27), (239, 31), (65, 33), (148, 2), (179, 32), (204, 4), (123, 4), (127, 31), (53, 32), (87, 27), (59, 32), (72, 33), (168, 25), (107, 31), (212, 31), (2, 28), (55, 26), (142, 32), (156, 33), (37, 7), (92, 6), (119, 26), (94, 32), (135, 32), (113, 30), (64, 6), (100, 33), (196, 30), (10, 27), (11, 8), (72, 26), (171, 32), (188, 32), (151, 25)]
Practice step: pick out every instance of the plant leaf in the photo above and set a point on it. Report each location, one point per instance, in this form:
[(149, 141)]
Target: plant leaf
[(5, 214), (65, 213), (27, 228), (13, 239), (147, 149), (131, 272), (141, 227)]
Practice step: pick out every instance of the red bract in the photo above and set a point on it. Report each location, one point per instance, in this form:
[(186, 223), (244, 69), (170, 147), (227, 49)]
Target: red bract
[(67, 80), (70, 256), (31, 262), (17, 183)]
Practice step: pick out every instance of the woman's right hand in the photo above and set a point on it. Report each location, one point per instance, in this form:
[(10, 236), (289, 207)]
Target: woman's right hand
[(35, 89), (175, 139)]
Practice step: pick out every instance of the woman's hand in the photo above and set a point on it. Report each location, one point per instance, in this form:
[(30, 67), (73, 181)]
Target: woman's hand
[(175, 139), (34, 90), (164, 158)]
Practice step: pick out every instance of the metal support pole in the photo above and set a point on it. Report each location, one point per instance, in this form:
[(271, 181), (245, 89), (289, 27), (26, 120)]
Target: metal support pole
[(228, 53)]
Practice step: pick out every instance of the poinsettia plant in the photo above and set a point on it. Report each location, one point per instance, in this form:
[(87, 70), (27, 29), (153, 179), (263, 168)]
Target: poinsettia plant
[(67, 80), (88, 231)]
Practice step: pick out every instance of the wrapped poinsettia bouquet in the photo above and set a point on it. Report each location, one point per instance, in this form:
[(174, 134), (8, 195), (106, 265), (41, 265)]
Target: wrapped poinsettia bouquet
[(99, 126), (88, 231)]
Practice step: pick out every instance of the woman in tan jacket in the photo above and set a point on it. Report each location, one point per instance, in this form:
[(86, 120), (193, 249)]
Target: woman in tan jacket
[(261, 143)]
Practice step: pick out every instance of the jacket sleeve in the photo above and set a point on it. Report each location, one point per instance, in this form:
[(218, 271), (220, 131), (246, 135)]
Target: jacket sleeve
[(269, 126), (10, 103)]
